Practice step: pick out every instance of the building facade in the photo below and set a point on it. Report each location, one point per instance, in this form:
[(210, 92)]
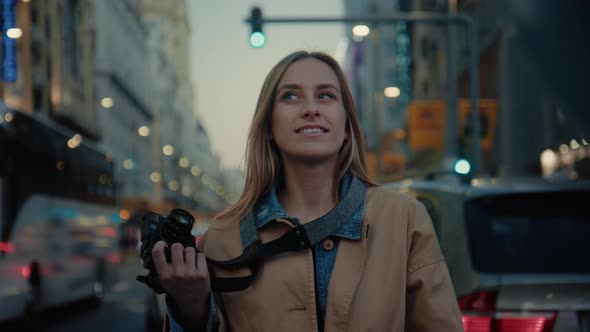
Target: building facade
[(191, 172), (123, 94), (379, 69), (108, 73)]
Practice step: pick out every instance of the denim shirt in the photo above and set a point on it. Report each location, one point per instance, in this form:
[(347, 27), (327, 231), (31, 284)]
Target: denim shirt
[(267, 209)]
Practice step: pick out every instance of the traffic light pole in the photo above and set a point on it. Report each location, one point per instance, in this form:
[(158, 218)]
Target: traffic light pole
[(426, 18)]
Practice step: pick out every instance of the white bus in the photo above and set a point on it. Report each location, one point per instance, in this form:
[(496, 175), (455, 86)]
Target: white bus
[(59, 235)]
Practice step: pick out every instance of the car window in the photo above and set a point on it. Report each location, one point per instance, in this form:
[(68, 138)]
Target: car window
[(530, 233)]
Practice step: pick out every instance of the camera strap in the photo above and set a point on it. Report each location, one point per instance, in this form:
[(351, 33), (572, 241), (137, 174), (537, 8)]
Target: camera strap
[(296, 239)]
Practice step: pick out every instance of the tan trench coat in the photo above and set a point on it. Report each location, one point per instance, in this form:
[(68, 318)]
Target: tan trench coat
[(393, 279)]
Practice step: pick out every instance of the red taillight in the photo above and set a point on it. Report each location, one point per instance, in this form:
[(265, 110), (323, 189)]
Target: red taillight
[(25, 271), (113, 258), (478, 313), (529, 322), (108, 231), (6, 247), (481, 302), (476, 323)]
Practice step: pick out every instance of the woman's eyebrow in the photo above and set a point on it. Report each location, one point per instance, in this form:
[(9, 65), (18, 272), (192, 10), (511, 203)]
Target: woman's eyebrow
[(298, 87), (327, 86), (289, 86)]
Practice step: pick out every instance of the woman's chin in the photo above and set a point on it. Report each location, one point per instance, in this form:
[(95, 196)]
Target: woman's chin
[(312, 157)]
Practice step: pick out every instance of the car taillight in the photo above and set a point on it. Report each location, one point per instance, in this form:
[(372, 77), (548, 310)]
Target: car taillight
[(113, 258), (478, 313), (6, 247), (108, 231), (25, 271)]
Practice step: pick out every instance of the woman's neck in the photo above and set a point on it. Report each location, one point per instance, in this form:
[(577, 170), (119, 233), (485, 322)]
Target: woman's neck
[(307, 192)]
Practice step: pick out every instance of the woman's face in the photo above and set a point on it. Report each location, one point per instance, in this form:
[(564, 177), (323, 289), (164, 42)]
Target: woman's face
[(308, 119)]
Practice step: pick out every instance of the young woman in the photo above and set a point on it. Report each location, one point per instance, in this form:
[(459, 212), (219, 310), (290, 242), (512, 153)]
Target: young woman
[(377, 265)]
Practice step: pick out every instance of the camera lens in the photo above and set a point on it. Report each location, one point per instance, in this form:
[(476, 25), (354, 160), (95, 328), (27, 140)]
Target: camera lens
[(181, 219)]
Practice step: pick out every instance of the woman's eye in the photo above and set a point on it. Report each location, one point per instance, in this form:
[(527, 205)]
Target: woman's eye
[(327, 95), (289, 96)]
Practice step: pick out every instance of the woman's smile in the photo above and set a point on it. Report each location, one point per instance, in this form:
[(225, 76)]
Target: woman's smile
[(312, 131)]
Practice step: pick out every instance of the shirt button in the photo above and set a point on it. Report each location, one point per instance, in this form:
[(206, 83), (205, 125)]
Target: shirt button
[(328, 244)]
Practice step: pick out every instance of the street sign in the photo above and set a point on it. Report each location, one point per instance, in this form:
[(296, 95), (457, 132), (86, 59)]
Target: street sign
[(427, 119)]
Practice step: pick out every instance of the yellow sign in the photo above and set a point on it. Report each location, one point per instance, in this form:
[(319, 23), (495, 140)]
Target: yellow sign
[(427, 119), (426, 124)]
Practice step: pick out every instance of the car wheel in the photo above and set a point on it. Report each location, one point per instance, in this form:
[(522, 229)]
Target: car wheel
[(98, 285)]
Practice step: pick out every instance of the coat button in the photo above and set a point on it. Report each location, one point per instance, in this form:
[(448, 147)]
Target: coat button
[(328, 244)]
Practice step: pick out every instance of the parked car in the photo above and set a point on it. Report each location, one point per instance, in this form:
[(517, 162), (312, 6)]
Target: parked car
[(517, 250)]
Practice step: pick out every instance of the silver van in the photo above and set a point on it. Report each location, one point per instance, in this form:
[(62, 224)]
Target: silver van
[(518, 251)]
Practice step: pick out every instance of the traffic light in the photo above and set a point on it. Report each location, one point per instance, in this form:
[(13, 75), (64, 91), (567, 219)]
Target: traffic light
[(257, 37), (462, 166)]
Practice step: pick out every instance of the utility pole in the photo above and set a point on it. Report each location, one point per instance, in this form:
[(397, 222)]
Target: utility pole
[(452, 115), (413, 17)]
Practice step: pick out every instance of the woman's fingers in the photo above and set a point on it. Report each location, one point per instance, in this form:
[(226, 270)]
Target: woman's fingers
[(202, 266), (159, 258), (185, 277), (185, 262), (189, 261), (177, 254)]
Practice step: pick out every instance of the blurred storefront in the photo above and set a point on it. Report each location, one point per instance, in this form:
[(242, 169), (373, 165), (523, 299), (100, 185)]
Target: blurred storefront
[(115, 73), (523, 112)]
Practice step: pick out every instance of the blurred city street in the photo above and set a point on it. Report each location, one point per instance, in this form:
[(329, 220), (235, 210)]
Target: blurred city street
[(110, 109), (123, 309)]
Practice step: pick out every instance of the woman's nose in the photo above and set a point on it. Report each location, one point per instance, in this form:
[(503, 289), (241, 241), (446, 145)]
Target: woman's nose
[(310, 109)]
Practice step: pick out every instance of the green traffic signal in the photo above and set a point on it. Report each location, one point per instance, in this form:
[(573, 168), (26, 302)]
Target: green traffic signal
[(257, 39), (462, 166)]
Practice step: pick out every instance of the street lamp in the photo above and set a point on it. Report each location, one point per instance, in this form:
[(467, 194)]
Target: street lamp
[(155, 177), (143, 131), (392, 92), (183, 162), (359, 32), (14, 33), (128, 164), (107, 102), (168, 150), (196, 170)]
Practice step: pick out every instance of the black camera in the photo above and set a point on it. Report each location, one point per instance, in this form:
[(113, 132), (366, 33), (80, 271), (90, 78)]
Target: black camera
[(175, 228)]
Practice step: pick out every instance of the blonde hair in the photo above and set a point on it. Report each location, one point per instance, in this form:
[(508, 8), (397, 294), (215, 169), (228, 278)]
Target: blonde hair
[(263, 161)]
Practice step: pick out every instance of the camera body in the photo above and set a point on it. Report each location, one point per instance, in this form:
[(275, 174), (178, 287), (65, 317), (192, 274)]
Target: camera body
[(174, 228)]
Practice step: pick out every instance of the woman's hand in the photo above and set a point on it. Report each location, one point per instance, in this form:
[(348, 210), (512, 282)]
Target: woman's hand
[(185, 279)]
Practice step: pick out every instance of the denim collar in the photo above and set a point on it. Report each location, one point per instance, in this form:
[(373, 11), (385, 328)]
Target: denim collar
[(268, 208)]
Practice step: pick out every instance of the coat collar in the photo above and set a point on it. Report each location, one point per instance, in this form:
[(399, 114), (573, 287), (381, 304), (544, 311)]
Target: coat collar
[(268, 208)]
